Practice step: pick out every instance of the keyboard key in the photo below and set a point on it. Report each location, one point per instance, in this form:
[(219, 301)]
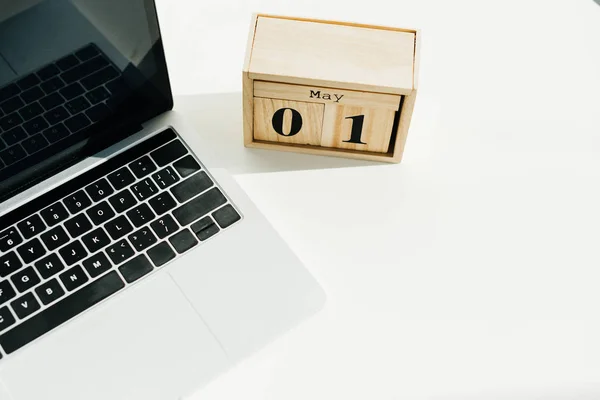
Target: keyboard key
[(99, 190), (144, 189), (78, 105), (164, 226), (96, 265), (78, 225), (84, 69), (9, 239), (33, 94), (118, 227), (13, 136), (162, 203), (31, 111), (73, 252), (183, 241), (13, 154), (73, 278), (77, 123), (98, 78), (9, 263), (121, 178), (67, 62), (54, 214), (205, 228), (6, 292), (191, 187), (56, 133), (100, 213), (35, 143), (78, 201), (52, 85), (12, 105), (10, 121), (97, 95), (118, 88), (51, 101), (161, 254), (169, 153), (31, 226), (72, 91), (49, 266), (135, 268), (199, 206), (56, 115), (187, 166), (48, 72), (140, 215), (120, 252), (61, 312), (98, 112), (96, 240), (49, 291), (6, 318), (142, 239), (87, 52), (165, 178), (226, 216), (28, 82), (25, 279), (122, 201), (31, 251), (9, 91), (142, 167), (36, 125), (25, 305), (55, 238)]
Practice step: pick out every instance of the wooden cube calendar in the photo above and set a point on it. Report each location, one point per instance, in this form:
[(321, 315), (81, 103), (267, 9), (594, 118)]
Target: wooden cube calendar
[(330, 88)]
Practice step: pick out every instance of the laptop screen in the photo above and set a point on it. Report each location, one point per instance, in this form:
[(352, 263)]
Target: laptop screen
[(76, 76)]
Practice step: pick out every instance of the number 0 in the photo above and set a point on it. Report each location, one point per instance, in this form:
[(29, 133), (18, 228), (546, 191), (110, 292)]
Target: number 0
[(278, 121)]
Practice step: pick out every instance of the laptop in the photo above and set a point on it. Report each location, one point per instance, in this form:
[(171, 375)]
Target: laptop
[(128, 269)]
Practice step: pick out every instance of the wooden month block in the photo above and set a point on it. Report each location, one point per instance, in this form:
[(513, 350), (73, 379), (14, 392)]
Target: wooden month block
[(352, 87), (358, 128), (285, 121)]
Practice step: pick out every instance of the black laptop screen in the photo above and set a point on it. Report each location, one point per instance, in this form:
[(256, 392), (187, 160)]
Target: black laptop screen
[(75, 77)]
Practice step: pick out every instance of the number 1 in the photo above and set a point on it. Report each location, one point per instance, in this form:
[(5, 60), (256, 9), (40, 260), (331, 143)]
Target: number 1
[(357, 127)]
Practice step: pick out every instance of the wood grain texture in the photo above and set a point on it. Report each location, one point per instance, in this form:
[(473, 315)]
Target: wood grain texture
[(322, 151), (417, 65), (314, 94), (408, 107), (376, 131), (248, 107), (320, 73), (331, 55), (248, 87), (312, 121)]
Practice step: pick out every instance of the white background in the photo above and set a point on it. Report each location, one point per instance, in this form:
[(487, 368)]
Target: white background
[(472, 269)]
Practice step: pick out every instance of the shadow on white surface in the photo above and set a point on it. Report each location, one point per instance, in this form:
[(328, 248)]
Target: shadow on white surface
[(218, 117)]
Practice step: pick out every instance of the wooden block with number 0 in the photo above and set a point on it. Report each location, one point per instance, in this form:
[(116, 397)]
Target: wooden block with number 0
[(285, 121), (330, 88)]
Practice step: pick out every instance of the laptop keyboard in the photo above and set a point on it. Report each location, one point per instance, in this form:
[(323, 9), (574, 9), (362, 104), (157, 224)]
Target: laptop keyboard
[(58, 100), (91, 237)]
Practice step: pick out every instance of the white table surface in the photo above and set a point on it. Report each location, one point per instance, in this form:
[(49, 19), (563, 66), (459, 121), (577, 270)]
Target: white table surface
[(472, 269)]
